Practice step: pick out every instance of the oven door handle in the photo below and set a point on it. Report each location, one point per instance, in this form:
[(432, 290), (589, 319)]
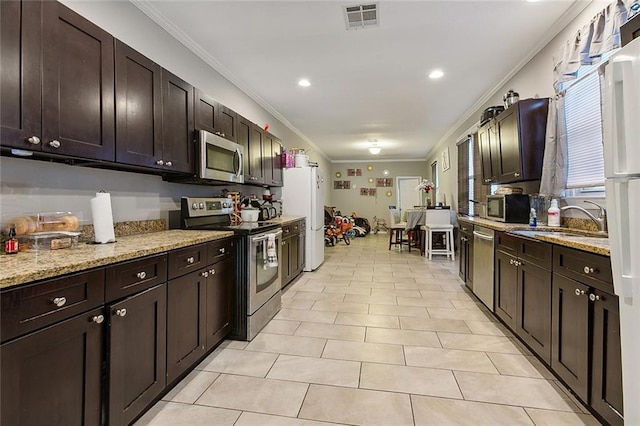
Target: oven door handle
[(238, 155), (265, 237)]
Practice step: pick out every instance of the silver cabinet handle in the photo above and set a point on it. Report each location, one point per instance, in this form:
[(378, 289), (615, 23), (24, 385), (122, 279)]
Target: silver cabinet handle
[(190, 260), (212, 271), (121, 312), (222, 250), (60, 301), (34, 140), (98, 319), (588, 270), (142, 275), (579, 292), (160, 163), (594, 298), (168, 164), (54, 144), (205, 274)]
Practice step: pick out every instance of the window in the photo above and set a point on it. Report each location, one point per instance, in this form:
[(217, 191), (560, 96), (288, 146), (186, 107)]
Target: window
[(434, 175), (583, 118), (471, 191)]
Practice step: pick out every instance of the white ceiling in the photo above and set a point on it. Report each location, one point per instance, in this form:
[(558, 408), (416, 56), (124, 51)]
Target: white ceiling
[(369, 83)]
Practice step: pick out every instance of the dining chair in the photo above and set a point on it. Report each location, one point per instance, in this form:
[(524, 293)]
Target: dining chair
[(438, 221)]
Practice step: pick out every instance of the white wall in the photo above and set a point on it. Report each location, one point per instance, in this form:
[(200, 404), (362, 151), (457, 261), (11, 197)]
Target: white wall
[(36, 186), (534, 79)]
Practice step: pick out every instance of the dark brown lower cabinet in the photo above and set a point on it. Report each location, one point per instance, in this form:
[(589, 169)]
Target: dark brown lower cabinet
[(570, 333), (219, 302), (533, 321), (186, 306), (137, 353), (606, 367), (54, 376), (506, 288)]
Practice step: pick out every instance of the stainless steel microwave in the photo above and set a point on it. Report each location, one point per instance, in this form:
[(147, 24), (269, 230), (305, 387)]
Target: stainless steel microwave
[(219, 159), (511, 208)]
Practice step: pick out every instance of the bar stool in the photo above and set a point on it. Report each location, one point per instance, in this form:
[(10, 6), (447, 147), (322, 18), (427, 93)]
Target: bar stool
[(396, 229), (438, 221)]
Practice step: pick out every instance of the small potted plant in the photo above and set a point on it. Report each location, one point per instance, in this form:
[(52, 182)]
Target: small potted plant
[(425, 186)]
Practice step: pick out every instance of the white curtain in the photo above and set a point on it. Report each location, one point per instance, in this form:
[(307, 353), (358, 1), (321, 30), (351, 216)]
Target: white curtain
[(554, 168)]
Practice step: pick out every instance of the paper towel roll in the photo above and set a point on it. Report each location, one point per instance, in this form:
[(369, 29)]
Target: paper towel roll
[(102, 218)]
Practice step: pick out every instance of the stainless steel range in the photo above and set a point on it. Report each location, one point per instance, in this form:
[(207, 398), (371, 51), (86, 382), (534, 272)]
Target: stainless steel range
[(257, 281)]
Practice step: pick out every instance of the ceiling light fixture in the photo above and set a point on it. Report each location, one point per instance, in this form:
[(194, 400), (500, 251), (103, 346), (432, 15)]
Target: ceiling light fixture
[(374, 148), (436, 74), (304, 82)]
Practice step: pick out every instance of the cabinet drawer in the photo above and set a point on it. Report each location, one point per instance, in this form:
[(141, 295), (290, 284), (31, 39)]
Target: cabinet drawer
[(41, 304), (296, 227), (585, 267), (125, 279), (536, 252), (303, 225), (287, 231), (465, 228), (188, 259), (219, 250), (507, 243)]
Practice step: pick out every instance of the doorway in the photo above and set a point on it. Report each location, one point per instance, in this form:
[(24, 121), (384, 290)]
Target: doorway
[(408, 197)]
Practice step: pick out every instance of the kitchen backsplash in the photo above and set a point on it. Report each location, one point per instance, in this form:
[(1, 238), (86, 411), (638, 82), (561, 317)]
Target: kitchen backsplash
[(127, 228)]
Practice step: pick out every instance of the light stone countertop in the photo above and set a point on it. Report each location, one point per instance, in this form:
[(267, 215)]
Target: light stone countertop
[(586, 241), (26, 267), (285, 220)]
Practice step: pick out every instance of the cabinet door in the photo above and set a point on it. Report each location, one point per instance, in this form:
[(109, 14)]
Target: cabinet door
[(138, 108), (186, 314), (53, 376), (228, 123), (272, 160), (606, 369), (285, 261), (219, 301), (177, 124), (533, 324), (137, 353), (256, 143), (215, 117), (78, 85), (294, 254), (20, 48), (506, 288), (570, 333), (244, 139), (509, 147), (488, 153), (302, 250)]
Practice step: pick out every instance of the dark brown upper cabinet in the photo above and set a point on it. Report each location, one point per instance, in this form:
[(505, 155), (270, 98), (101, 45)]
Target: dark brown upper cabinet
[(272, 159), (139, 108), (178, 134), (512, 145), (215, 117), (251, 137), (20, 75), (76, 104), (155, 127)]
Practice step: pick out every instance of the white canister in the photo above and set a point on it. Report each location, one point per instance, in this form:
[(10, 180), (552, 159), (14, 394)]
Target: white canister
[(301, 160)]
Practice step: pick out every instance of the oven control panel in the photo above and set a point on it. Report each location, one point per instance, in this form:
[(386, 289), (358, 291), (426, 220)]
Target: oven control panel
[(197, 207)]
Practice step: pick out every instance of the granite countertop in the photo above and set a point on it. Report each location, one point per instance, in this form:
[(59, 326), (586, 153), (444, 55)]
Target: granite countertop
[(586, 241), (26, 266), (285, 220)]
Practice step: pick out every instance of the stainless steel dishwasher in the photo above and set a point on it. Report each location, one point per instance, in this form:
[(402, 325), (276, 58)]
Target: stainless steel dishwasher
[(483, 265)]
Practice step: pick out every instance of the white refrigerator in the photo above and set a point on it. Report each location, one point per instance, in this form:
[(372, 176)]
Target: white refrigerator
[(302, 195), (621, 117)]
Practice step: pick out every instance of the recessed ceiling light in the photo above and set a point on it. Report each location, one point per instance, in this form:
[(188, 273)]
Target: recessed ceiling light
[(532, 1), (436, 74), (304, 82)]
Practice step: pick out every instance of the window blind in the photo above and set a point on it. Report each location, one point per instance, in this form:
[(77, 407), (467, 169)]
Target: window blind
[(583, 116)]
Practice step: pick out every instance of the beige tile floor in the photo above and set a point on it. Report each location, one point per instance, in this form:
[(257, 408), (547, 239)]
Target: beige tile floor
[(373, 337)]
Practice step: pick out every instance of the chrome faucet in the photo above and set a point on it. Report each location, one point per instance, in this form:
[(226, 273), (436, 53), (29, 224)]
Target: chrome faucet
[(601, 220)]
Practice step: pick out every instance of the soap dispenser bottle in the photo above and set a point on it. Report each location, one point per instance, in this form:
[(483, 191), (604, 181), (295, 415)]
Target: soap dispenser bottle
[(533, 220), (553, 214)]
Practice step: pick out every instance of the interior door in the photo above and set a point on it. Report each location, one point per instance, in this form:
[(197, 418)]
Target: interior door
[(408, 197)]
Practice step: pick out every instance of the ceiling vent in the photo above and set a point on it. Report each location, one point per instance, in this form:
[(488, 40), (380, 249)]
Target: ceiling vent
[(361, 16)]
